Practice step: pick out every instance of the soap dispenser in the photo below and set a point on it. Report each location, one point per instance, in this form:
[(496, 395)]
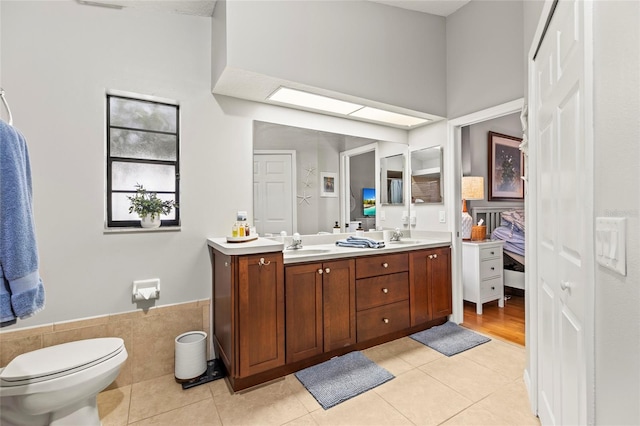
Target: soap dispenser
[(336, 228), (359, 230)]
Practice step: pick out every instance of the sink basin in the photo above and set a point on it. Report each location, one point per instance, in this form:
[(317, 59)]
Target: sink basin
[(405, 242), (305, 252)]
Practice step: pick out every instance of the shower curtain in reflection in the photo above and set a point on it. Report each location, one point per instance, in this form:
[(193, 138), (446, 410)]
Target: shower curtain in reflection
[(396, 191)]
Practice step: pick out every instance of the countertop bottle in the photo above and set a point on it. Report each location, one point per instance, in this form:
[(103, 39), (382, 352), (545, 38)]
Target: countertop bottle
[(234, 230), (336, 228)]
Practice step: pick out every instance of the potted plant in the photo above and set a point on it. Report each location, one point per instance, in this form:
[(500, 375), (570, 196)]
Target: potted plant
[(149, 207)]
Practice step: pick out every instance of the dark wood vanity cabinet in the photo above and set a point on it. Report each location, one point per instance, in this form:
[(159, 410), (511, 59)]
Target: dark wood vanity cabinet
[(249, 312), (320, 308), (430, 284), (271, 320)]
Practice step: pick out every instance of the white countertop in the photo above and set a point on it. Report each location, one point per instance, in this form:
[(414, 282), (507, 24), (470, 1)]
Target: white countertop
[(323, 247), (260, 245)]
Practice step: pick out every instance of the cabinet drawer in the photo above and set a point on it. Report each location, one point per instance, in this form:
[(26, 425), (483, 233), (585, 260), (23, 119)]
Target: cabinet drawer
[(372, 266), (490, 268), (490, 252), (378, 291), (382, 320), (490, 289)]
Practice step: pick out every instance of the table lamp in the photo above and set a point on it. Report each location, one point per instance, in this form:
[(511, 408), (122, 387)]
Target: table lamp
[(472, 189)]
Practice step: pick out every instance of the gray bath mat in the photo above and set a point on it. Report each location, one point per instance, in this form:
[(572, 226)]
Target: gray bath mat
[(449, 338), (342, 378)]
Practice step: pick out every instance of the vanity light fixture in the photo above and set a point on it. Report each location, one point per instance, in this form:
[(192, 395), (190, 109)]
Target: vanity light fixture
[(376, 114), (303, 99), (313, 101)]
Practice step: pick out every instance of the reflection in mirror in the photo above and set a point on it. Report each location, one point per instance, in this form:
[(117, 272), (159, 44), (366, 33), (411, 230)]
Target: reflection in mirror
[(391, 179), (288, 165), (426, 176)]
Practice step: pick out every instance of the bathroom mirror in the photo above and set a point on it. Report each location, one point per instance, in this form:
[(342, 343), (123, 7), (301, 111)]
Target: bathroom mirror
[(296, 179), (392, 180), (426, 176)]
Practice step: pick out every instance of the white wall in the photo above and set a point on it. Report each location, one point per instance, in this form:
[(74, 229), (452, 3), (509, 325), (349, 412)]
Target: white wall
[(360, 48), (484, 56), (58, 58), (617, 183)]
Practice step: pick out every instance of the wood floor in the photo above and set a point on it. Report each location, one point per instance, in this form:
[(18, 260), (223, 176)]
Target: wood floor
[(506, 323)]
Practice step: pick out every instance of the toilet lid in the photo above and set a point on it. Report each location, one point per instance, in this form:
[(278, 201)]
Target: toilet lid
[(60, 360)]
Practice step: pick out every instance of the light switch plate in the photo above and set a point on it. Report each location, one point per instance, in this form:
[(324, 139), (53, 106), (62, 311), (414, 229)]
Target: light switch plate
[(441, 216), (611, 244)]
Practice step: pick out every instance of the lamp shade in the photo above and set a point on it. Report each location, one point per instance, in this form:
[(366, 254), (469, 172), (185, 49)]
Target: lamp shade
[(472, 188)]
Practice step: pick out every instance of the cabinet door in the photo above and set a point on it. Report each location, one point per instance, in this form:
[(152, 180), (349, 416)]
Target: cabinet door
[(303, 295), (430, 284), (419, 297), (260, 313), (439, 273), (339, 300)]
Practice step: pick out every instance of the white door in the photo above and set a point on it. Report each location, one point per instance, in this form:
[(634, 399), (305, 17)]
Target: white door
[(273, 193), (564, 211)]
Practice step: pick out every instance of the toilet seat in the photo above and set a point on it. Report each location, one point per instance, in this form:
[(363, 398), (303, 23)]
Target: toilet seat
[(59, 360)]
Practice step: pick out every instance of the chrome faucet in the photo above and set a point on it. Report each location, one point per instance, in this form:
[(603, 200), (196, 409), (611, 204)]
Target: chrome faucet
[(397, 234), (296, 242)]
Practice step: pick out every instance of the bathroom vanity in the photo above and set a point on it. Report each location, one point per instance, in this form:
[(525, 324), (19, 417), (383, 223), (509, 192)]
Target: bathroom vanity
[(277, 311)]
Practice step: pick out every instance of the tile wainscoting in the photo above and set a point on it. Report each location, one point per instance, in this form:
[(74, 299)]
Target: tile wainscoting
[(149, 337)]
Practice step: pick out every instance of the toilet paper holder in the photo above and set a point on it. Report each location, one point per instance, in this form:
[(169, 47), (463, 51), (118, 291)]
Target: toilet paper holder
[(146, 290)]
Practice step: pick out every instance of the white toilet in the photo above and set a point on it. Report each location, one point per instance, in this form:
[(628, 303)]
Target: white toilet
[(58, 385)]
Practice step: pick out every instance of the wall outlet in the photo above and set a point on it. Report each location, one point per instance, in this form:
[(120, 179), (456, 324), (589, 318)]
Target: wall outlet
[(441, 216), (383, 216)]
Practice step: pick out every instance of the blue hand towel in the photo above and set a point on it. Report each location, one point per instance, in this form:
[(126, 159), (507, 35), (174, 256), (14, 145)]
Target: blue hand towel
[(21, 293), (360, 242)]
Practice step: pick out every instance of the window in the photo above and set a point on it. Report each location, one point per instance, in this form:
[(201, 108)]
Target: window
[(142, 148)]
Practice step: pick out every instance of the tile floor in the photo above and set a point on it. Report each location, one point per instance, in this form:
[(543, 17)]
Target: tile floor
[(482, 386)]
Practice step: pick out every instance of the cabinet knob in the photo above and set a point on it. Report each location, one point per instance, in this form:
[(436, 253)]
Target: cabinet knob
[(435, 256), (430, 256), (385, 290), (327, 270), (493, 252), (385, 265), (493, 288), (385, 320), (320, 271), (493, 269)]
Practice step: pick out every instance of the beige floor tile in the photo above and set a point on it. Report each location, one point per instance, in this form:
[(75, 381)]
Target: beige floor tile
[(400, 356), (303, 395), (113, 406), (511, 404), (366, 409), (306, 420), (421, 398), (157, 396), (203, 413), (272, 404), (466, 376), (506, 358)]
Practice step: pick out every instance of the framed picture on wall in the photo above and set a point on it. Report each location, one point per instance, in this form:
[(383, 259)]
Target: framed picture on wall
[(328, 184), (506, 166)]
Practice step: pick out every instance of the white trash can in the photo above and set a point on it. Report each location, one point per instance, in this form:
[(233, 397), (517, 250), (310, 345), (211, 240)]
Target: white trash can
[(191, 355)]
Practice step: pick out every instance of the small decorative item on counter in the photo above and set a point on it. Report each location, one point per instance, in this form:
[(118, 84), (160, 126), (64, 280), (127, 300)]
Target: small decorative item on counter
[(479, 232), (234, 230), (247, 230), (336, 228), (359, 230), (241, 230)]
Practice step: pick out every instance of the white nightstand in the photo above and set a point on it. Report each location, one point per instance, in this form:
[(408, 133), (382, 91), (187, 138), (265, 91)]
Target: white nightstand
[(482, 273)]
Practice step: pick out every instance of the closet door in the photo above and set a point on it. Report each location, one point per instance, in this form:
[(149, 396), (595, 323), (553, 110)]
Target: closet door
[(564, 211)]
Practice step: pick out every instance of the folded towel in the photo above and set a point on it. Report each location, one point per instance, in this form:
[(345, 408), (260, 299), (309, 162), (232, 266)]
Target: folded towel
[(360, 242)]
